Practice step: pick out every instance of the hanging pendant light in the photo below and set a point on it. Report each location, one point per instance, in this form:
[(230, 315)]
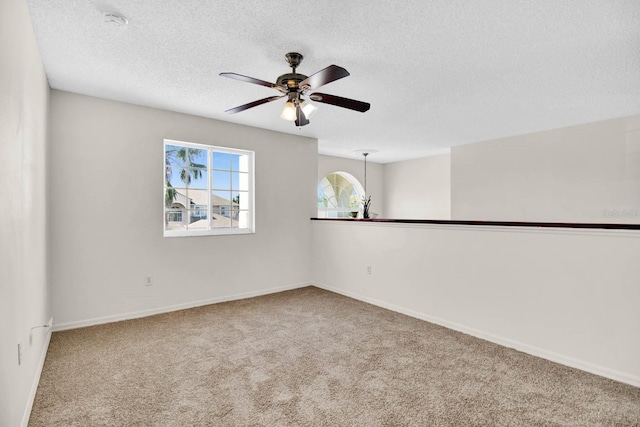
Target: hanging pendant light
[(366, 200)]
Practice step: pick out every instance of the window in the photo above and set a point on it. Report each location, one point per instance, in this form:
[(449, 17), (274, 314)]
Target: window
[(207, 190), (339, 194)]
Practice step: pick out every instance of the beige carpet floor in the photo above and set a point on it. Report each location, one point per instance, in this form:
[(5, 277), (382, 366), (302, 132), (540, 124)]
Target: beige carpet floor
[(309, 357)]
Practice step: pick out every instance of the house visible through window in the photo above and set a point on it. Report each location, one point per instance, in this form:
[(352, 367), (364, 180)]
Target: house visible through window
[(207, 190), (339, 194)]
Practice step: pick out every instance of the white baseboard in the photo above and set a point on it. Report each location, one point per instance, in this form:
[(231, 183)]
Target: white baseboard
[(36, 378), (159, 310), (602, 371)]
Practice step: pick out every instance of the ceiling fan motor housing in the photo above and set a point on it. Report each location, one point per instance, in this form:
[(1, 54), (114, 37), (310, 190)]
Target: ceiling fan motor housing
[(290, 80)]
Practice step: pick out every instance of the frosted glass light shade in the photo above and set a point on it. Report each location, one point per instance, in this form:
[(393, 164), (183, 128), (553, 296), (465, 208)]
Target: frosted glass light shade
[(308, 109), (289, 112)]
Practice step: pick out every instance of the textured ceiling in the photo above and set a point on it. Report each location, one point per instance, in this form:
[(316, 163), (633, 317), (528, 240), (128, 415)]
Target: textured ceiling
[(437, 73)]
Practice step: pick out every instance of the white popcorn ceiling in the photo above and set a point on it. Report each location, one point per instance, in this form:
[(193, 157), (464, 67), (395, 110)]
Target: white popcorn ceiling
[(437, 73)]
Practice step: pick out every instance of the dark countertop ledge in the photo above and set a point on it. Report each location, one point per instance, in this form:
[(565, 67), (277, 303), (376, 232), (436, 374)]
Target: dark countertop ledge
[(587, 225)]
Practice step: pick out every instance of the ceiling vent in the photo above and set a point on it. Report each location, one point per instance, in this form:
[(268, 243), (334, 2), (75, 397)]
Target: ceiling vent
[(116, 19)]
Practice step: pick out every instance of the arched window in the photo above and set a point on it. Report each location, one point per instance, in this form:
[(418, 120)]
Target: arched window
[(339, 194)]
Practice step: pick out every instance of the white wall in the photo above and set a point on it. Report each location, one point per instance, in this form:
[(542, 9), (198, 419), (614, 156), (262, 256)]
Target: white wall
[(419, 188), (375, 176), (24, 295), (106, 216), (586, 173), (566, 295)]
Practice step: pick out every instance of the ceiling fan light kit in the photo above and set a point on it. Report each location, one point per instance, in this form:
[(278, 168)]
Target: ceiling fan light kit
[(294, 86), (289, 111), (308, 109)]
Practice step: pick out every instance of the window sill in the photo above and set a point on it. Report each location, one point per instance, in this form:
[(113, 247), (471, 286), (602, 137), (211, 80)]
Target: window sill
[(200, 233)]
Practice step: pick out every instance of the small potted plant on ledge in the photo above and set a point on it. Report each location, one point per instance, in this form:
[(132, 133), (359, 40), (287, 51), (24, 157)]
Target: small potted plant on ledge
[(353, 205), (366, 202)]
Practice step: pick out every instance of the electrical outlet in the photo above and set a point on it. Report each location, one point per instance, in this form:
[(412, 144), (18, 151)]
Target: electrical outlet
[(368, 269), (19, 353), (148, 281)]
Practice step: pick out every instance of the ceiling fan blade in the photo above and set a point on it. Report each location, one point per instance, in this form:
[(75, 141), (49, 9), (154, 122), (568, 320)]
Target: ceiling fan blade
[(252, 104), (339, 101), (301, 119), (322, 77), (251, 80)]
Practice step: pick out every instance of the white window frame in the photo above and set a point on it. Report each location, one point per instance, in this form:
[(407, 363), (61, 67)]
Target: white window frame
[(211, 231)]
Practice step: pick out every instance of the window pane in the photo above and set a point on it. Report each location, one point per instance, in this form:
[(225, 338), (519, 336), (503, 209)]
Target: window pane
[(240, 181), (221, 180), (220, 219), (198, 178), (353, 202), (197, 157), (221, 160), (322, 197), (224, 210), (234, 217), (175, 197), (177, 177), (241, 199), (175, 155), (240, 162), (198, 220), (235, 180), (241, 220), (174, 219), (198, 213), (220, 198), (343, 198), (197, 199), (183, 177), (221, 208)]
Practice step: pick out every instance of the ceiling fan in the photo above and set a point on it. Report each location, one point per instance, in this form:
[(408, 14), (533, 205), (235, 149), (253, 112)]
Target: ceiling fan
[(294, 86)]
